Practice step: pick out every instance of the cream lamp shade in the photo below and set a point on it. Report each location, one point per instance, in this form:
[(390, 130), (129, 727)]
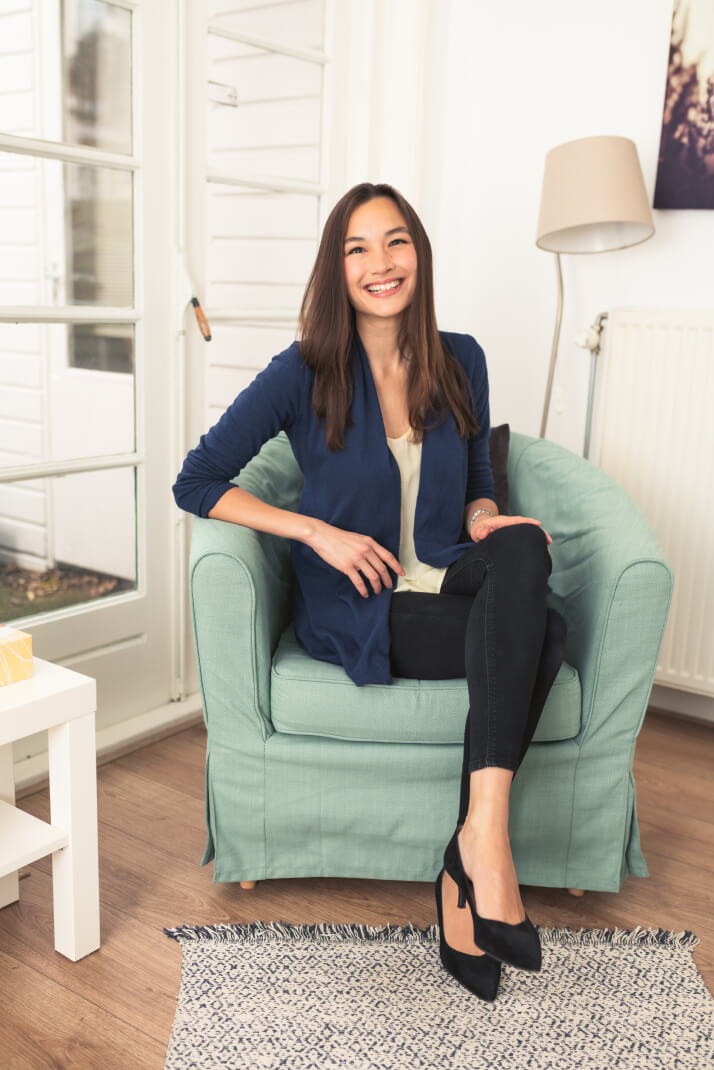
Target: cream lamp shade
[(593, 198)]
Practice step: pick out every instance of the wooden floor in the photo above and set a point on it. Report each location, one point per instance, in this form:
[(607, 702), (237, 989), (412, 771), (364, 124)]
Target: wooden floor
[(115, 1007)]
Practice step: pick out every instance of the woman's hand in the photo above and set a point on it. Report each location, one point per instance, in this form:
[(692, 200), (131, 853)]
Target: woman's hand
[(351, 553), (484, 525)]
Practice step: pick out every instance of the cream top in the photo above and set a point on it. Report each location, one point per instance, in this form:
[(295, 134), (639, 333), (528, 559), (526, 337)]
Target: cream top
[(419, 576)]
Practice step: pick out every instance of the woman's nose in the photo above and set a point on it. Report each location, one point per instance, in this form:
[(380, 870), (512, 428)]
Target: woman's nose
[(380, 265)]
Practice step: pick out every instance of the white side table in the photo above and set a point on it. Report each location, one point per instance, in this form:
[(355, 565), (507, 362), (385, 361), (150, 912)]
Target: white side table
[(64, 703)]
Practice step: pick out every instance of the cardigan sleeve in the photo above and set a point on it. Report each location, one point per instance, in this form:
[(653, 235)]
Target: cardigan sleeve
[(480, 482), (265, 407)]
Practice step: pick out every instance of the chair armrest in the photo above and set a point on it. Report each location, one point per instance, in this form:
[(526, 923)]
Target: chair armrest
[(241, 597), (610, 581)]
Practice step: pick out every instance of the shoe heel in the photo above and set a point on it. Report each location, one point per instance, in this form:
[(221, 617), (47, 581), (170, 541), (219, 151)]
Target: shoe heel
[(480, 974)]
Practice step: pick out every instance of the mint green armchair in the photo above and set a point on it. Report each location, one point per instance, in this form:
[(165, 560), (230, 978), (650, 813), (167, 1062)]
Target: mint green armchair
[(309, 775)]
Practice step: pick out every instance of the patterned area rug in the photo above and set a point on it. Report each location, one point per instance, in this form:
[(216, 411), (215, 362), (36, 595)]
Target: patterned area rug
[(323, 997)]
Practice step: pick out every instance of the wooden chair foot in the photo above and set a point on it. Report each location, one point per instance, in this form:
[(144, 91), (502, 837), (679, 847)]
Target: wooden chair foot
[(576, 891), (248, 884)]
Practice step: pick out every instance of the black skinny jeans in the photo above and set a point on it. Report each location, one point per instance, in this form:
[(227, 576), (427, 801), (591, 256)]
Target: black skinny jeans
[(489, 623)]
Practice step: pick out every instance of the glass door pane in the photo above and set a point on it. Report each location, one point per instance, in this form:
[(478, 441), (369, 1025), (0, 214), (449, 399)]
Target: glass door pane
[(96, 74), (65, 70), (67, 234), (58, 549)]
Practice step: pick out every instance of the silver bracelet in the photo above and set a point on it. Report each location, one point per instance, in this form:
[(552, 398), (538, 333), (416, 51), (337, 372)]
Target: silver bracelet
[(476, 513)]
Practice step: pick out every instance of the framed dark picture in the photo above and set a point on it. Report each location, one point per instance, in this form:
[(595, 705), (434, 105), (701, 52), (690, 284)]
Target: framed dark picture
[(685, 167)]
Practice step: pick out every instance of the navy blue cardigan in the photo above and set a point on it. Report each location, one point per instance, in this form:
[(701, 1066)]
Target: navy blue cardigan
[(358, 489)]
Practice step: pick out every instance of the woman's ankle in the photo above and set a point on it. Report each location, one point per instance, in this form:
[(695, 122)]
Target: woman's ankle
[(488, 829)]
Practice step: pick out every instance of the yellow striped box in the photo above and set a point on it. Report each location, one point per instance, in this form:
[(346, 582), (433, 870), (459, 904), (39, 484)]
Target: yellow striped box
[(15, 655)]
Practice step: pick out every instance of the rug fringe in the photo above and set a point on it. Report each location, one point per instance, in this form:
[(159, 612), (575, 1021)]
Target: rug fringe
[(257, 931), (261, 930), (639, 937)]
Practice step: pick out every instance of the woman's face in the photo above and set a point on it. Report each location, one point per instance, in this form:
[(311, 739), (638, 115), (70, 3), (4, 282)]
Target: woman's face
[(379, 249)]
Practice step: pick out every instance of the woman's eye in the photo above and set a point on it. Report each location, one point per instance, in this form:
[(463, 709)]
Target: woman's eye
[(355, 248)]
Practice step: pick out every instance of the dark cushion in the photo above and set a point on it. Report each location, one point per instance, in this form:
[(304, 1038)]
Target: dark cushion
[(498, 440)]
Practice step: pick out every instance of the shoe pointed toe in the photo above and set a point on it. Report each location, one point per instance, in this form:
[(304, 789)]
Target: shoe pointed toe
[(483, 981)]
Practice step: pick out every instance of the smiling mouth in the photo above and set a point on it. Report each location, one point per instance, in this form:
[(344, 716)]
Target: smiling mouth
[(385, 288)]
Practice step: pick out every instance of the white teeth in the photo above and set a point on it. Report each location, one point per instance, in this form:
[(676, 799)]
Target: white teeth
[(383, 286)]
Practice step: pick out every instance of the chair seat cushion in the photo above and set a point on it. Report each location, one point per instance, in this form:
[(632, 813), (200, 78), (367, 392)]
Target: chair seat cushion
[(316, 698)]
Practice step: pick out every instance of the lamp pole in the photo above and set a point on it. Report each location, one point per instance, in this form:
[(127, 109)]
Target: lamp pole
[(554, 347), (591, 340)]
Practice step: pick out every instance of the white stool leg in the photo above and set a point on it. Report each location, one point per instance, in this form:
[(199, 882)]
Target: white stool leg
[(73, 805), (9, 884)]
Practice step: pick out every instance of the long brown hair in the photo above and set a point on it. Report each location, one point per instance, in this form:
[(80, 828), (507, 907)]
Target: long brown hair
[(326, 326)]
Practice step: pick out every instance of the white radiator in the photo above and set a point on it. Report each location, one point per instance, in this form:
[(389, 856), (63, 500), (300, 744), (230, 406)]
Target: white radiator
[(653, 432)]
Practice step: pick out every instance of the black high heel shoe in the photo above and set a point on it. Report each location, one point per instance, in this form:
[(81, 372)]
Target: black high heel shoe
[(479, 973), (517, 945)]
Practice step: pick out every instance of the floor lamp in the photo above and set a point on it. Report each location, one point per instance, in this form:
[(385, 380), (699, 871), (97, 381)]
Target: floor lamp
[(593, 200)]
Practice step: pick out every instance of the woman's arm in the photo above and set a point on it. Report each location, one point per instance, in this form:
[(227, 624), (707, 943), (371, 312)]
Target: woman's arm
[(480, 484), (266, 406), (238, 506)]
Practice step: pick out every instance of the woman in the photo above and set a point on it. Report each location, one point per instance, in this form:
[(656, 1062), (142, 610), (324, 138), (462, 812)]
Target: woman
[(388, 418)]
